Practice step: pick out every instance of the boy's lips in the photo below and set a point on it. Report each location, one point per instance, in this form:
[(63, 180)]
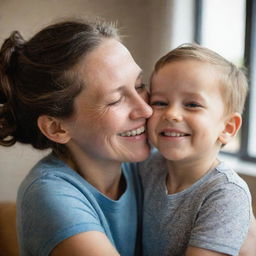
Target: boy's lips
[(173, 133)]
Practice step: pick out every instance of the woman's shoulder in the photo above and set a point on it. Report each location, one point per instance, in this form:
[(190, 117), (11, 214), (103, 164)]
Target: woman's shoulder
[(53, 203), (50, 178)]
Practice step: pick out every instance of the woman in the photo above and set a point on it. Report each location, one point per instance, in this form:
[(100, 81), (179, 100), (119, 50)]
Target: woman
[(76, 89), (64, 89)]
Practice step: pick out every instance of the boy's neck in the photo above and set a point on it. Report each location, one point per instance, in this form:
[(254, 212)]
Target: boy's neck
[(182, 175)]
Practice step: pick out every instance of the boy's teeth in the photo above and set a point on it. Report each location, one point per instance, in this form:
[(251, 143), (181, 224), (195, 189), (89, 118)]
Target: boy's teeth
[(133, 132), (174, 134)]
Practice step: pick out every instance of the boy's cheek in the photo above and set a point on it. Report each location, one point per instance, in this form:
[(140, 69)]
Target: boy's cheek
[(151, 129)]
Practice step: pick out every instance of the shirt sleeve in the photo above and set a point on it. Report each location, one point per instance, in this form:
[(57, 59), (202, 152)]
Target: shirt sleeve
[(53, 209), (223, 220)]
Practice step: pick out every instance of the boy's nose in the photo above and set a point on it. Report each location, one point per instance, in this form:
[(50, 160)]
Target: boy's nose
[(173, 114)]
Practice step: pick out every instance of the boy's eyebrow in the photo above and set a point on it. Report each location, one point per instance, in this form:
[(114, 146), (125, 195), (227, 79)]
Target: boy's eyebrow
[(187, 94), (195, 95), (156, 93)]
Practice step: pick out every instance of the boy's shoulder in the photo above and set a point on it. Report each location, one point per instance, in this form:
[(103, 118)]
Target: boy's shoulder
[(224, 175), (221, 182), (155, 164), (155, 157)]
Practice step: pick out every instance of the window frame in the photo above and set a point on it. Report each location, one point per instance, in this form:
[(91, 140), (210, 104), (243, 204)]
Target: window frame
[(249, 63)]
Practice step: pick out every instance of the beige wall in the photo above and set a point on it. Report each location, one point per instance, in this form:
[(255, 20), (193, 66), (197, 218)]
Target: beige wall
[(147, 24), (140, 21)]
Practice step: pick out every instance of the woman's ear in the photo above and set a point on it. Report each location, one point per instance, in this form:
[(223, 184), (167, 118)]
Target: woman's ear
[(232, 125), (52, 128)]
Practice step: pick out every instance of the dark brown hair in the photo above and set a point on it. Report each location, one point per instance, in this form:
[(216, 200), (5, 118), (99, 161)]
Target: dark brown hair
[(38, 77)]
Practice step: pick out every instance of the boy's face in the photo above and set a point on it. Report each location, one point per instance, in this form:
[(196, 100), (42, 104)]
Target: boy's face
[(188, 111)]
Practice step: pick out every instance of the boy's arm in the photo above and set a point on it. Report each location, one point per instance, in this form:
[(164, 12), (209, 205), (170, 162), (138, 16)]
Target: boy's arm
[(248, 248)]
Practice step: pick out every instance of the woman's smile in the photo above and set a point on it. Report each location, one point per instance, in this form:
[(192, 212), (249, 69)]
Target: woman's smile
[(133, 132)]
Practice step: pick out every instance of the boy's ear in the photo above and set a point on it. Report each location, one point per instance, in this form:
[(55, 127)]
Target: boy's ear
[(52, 128), (232, 125)]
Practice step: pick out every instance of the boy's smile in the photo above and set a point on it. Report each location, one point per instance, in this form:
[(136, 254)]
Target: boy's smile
[(172, 133), (188, 109)]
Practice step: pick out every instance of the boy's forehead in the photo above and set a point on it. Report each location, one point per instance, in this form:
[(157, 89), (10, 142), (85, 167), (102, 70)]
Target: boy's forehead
[(187, 68), (188, 74)]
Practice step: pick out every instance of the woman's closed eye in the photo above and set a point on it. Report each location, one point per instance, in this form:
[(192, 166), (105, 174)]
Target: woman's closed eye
[(141, 87), (115, 102)]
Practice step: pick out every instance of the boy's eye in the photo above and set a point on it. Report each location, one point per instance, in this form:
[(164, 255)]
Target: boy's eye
[(193, 105), (158, 103)]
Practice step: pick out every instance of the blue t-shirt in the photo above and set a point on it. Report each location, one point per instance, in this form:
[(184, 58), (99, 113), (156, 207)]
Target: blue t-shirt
[(54, 202)]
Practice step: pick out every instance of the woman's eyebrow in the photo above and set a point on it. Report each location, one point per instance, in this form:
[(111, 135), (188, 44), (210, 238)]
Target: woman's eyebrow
[(140, 75), (120, 88)]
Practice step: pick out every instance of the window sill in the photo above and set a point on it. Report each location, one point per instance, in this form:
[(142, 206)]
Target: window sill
[(240, 166)]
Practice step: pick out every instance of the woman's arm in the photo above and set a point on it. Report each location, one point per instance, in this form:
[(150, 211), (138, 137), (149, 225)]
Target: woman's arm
[(195, 251), (92, 243), (249, 246)]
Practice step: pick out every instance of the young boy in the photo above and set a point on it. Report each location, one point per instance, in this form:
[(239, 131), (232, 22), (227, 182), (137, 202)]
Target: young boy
[(194, 204)]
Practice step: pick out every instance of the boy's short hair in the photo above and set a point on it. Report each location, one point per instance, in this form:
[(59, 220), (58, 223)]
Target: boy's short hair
[(232, 79)]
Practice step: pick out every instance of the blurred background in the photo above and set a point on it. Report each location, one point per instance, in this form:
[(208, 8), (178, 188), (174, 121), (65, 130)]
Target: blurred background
[(150, 29)]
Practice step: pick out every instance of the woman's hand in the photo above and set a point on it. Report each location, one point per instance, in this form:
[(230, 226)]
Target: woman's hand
[(92, 243), (196, 251), (249, 246)]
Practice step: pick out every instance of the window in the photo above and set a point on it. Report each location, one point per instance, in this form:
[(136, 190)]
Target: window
[(229, 28)]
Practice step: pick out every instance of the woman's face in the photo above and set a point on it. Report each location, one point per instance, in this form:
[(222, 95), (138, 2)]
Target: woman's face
[(110, 113)]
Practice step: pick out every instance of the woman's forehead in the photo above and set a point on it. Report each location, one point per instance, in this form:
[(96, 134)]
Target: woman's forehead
[(111, 63), (109, 52)]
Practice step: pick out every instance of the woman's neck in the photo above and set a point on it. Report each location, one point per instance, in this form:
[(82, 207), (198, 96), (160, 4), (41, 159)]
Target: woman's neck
[(105, 176)]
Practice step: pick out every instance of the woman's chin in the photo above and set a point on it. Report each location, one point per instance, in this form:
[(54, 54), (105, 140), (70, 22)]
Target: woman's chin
[(139, 156)]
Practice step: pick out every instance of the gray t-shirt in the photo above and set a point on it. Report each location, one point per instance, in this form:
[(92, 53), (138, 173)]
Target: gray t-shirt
[(214, 213)]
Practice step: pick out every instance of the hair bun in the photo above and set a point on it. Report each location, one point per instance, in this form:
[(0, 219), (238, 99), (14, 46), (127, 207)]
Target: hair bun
[(8, 52), (12, 44)]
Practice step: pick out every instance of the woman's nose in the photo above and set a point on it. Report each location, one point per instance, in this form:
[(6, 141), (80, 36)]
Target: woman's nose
[(141, 109)]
